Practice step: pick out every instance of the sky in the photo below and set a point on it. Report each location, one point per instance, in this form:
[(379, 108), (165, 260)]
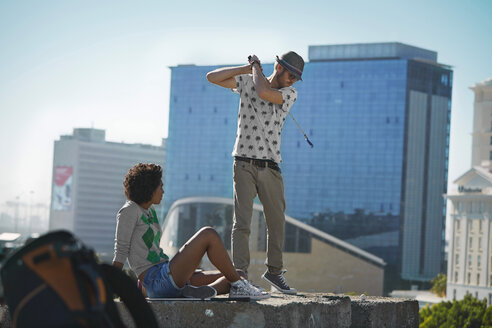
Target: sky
[(105, 64)]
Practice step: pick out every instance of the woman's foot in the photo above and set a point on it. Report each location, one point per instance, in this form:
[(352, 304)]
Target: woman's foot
[(244, 289), (203, 292)]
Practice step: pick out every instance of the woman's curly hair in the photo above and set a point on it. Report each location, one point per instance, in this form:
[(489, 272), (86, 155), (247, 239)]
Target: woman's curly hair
[(141, 181)]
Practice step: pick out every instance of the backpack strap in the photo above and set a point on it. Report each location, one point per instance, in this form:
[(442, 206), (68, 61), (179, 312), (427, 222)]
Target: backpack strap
[(125, 288)]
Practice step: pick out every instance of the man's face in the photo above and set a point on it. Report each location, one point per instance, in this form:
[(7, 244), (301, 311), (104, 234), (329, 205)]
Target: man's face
[(286, 78)]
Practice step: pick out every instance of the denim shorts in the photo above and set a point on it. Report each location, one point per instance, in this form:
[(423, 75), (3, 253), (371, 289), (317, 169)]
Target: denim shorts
[(158, 282)]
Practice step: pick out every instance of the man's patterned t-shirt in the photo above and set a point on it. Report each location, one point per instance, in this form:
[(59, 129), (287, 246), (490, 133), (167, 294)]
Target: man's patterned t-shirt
[(260, 122)]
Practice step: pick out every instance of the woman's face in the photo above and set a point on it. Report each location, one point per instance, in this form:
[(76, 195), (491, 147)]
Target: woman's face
[(157, 195)]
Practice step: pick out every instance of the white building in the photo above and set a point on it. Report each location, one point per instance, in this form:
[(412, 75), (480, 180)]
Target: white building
[(470, 244), (87, 189)]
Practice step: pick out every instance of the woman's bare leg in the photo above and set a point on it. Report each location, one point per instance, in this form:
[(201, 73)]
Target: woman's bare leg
[(205, 241), (214, 279)]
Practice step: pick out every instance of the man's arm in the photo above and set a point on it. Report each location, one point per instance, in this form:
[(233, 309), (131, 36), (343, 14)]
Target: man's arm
[(263, 86), (224, 77)]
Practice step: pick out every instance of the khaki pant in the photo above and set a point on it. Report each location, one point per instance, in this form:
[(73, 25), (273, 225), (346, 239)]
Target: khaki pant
[(250, 180)]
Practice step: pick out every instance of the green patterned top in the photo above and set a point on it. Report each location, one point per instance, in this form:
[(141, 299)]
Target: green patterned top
[(137, 238)]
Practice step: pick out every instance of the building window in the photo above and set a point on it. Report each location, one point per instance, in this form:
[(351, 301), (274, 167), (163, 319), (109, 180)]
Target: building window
[(457, 242), (456, 276), (490, 298), (479, 261), (480, 242), (458, 221), (478, 278), (457, 259), (475, 207), (490, 156), (296, 239), (469, 260), (469, 279), (471, 242), (444, 79), (480, 221), (454, 294)]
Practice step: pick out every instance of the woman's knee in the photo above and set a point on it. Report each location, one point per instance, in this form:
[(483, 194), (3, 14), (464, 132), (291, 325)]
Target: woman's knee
[(208, 232)]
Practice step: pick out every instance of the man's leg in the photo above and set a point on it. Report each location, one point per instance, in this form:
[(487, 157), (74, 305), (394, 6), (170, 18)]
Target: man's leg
[(244, 193), (271, 195)]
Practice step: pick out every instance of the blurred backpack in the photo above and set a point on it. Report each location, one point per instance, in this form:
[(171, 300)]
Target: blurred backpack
[(55, 281)]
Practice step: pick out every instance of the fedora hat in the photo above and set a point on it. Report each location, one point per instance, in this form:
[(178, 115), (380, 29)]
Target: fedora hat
[(293, 63)]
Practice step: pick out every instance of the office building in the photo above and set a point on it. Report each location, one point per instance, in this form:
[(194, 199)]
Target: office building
[(470, 245), (87, 189), (378, 116)]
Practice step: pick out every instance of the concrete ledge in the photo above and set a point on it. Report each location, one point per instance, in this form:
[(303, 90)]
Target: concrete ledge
[(5, 317), (304, 310), (308, 310), (380, 312)]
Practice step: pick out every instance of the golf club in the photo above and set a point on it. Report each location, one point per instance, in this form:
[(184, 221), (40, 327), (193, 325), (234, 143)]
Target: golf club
[(305, 136)]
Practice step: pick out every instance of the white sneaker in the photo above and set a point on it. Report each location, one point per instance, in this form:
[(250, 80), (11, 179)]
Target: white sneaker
[(261, 289), (246, 290)]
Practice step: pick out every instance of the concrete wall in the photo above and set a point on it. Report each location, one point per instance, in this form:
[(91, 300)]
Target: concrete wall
[(304, 310)]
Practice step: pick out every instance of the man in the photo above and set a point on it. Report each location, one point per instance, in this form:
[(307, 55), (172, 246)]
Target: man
[(264, 104)]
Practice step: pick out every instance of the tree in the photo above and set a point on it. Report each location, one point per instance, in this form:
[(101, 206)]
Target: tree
[(467, 313), (487, 318), (439, 285)]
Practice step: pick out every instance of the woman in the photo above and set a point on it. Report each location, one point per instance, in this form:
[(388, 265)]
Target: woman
[(137, 239)]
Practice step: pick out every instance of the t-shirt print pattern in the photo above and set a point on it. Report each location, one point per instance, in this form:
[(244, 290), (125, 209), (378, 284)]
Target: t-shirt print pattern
[(260, 122)]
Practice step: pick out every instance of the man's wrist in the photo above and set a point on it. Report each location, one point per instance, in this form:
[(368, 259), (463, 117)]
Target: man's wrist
[(255, 64), (246, 69)]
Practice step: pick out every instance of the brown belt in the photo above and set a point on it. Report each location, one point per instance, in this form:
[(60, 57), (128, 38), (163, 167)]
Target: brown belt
[(259, 162)]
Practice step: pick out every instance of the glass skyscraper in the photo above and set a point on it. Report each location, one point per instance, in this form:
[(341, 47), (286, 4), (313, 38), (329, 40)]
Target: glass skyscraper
[(378, 116)]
